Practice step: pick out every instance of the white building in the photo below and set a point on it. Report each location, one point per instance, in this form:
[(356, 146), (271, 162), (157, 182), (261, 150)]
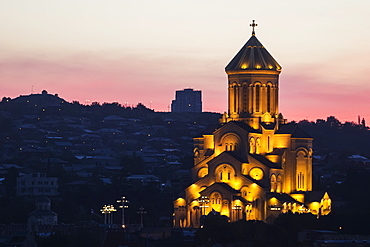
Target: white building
[(37, 184)]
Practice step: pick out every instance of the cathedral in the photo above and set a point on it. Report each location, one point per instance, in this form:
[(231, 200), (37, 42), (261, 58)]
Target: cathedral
[(254, 165)]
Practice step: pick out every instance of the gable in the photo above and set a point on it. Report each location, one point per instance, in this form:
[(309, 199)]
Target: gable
[(224, 189), (229, 158)]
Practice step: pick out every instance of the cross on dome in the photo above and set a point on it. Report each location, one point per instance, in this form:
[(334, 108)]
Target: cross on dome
[(253, 25)]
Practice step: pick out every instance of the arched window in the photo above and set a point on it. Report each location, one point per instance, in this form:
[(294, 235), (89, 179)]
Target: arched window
[(252, 98), (216, 201), (235, 97), (245, 97), (278, 184), (225, 173), (301, 168), (230, 142), (258, 145), (273, 183), (268, 98), (244, 191), (202, 172), (300, 181), (258, 93), (258, 88), (252, 146)]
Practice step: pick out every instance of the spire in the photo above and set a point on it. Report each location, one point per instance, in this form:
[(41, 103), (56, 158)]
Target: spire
[(253, 25)]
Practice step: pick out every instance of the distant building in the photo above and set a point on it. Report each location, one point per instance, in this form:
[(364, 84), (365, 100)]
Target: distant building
[(37, 184), (42, 216), (187, 100)]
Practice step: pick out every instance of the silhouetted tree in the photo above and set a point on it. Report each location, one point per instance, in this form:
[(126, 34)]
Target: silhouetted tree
[(10, 181)]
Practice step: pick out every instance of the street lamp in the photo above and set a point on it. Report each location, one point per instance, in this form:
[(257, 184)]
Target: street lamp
[(141, 212), (123, 206), (107, 210), (203, 204), (104, 211)]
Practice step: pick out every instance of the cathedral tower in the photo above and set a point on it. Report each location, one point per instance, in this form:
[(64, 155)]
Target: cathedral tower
[(253, 84)]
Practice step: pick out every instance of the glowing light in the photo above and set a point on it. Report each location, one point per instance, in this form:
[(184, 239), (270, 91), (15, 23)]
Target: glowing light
[(123, 205), (236, 184), (298, 197), (256, 173), (203, 172), (244, 66), (107, 210)]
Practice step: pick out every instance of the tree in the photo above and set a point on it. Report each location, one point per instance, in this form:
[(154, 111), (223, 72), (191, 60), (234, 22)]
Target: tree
[(333, 122), (10, 181)]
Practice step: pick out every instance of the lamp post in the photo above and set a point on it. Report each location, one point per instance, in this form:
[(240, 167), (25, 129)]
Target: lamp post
[(141, 212), (123, 206), (104, 211), (107, 210), (203, 204), (111, 210)]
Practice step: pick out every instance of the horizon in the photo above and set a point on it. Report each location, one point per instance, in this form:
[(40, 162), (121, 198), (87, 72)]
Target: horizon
[(142, 52), (135, 105)]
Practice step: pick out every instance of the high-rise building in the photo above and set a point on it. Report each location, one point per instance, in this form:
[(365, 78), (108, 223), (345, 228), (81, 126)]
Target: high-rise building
[(254, 165), (187, 100)]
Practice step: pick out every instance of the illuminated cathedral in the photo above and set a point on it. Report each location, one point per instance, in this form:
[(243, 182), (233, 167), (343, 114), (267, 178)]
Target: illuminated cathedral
[(254, 165)]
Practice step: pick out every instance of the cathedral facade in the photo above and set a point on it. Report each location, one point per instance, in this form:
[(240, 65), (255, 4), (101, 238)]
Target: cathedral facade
[(254, 165)]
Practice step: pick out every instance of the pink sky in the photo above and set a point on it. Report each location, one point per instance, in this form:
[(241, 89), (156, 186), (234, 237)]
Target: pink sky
[(143, 51)]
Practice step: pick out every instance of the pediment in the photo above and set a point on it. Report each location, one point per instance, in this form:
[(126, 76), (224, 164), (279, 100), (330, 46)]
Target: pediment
[(238, 127), (225, 189), (227, 157), (263, 161)]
